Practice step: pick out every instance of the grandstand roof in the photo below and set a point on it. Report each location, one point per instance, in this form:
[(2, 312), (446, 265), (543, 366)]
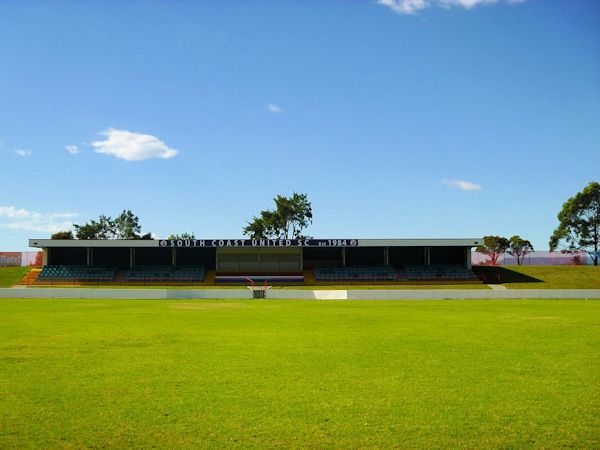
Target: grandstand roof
[(212, 243)]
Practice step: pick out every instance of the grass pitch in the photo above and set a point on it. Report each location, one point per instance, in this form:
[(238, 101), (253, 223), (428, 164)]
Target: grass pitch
[(347, 374), (12, 275), (543, 277)]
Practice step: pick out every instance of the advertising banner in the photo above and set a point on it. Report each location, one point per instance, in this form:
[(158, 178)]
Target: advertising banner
[(10, 259)]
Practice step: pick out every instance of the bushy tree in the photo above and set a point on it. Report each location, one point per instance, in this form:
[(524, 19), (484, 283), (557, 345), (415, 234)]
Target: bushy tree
[(182, 236), (103, 228), (63, 235), (579, 223), (494, 247), (519, 248), (291, 216), (125, 226)]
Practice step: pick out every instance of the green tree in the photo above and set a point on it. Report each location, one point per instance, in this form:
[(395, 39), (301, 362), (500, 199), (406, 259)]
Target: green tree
[(104, 228), (182, 236), (519, 248), (127, 226), (291, 216), (63, 235), (579, 223), (258, 228), (494, 247)]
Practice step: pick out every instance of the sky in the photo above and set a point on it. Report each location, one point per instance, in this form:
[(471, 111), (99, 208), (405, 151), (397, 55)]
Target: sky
[(398, 118)]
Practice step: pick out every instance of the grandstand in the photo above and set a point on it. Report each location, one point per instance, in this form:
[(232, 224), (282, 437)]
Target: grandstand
[(192, 261)]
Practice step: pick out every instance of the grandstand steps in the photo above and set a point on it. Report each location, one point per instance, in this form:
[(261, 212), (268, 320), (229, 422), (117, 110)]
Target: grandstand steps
[(309, 277), (120, 277), (29, 278), (259, 277), (209, 277)]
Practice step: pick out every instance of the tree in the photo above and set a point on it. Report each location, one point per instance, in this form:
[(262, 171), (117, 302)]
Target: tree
[(289, 219), (181, 236), (63, 235), (493, 246), (125, 226), (104, 228), (519, 248), (579, 223)]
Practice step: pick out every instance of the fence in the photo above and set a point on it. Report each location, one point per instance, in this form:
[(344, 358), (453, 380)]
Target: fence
[(538, 258), (21, 259)]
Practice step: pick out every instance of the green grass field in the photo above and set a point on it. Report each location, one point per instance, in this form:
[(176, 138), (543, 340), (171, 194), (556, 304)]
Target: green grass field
[(335, 374), (545, 277), (12, 275)]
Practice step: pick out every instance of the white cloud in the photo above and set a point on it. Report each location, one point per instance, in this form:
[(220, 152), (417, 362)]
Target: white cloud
[(72, 149), (132, 146), (23, 152), (275, 109), (413, 6), (462, 185), (22, 219), (404, 6)]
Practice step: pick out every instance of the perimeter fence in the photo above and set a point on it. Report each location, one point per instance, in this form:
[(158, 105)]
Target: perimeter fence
[(537, 258), (21, 259)]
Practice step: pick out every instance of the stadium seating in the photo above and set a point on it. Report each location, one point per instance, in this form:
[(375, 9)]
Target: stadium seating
[(71, 274), (439, 272), (59, 273), (172, 274), (387, 273), (355, 273)]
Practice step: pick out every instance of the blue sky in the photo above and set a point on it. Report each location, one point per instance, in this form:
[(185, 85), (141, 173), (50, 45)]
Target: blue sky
[(398, 118)]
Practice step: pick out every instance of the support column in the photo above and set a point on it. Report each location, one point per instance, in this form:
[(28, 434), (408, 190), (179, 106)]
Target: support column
[(45, 252), (344, 256), (87, 257), (427, 256), (173, 256), (386, 256), (468, 264), (131, 257)]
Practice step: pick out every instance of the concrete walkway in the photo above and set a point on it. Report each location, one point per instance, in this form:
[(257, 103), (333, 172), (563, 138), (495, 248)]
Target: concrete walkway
[(497, 287), (356, 294)]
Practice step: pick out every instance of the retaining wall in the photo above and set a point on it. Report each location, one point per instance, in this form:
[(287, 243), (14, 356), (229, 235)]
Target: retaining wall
[(356, 294)]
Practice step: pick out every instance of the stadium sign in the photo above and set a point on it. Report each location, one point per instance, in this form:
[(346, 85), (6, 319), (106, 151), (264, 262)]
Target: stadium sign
[(178, 243)]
